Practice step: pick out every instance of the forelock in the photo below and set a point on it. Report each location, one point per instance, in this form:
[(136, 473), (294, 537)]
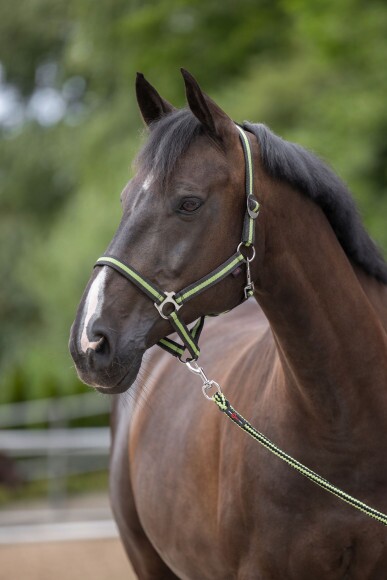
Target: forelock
[(169, 138)]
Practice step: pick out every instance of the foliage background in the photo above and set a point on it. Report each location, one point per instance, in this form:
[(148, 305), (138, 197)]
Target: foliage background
[(315, 72)]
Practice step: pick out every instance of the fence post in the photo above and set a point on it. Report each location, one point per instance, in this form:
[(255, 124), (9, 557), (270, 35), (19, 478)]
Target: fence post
[(56, 460)]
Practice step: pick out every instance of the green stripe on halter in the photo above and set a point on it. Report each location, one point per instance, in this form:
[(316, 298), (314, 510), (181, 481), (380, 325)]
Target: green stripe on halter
[(170, 345), (184, 334), (176, 349), (197, 327), (133, 274), (209, 281), (252, 203), (249, 163), (251, 232)]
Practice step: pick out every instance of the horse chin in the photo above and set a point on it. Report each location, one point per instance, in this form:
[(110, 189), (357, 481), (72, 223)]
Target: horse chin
[(110, 384), (117, 390)]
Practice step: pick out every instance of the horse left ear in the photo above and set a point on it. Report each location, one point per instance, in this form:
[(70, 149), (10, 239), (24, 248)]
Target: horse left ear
[(152, 105), (205, 109)]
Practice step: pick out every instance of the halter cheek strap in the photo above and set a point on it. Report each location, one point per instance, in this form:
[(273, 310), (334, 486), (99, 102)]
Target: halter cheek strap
[(169, 303)]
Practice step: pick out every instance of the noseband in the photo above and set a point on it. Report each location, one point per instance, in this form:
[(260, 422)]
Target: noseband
[(169, 303)]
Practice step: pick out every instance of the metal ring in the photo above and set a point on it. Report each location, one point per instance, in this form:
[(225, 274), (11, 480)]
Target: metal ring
[(245, 258), (189, 359), (168, 300), (210, 385)]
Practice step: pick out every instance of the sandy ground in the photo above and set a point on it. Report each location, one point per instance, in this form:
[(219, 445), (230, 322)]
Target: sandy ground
[(42, 542), (71, 560)]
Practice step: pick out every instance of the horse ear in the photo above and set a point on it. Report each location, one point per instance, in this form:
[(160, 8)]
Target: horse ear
[(204, 108), (152, 106)]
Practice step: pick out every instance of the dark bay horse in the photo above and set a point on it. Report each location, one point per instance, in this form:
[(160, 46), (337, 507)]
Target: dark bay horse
[(306, 361)]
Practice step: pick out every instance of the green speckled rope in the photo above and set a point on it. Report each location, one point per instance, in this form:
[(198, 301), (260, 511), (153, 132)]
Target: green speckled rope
[(236, 418)]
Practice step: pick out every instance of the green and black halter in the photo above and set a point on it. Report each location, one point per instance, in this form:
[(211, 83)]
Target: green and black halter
[(175, 300)]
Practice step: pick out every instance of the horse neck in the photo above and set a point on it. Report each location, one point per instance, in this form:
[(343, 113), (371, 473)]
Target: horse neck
[(376, 294), (330, 340)]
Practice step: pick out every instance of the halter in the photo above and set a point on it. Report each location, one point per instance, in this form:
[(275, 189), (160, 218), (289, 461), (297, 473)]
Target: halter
[(173, 301)]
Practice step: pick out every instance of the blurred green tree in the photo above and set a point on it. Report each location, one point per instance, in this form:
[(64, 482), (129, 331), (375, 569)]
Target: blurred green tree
[(315, 72)]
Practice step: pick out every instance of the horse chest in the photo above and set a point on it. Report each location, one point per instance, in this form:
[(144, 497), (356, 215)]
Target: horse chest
[(311, 536), (282, 530), (321, 547), (241, 513), (300, 528)]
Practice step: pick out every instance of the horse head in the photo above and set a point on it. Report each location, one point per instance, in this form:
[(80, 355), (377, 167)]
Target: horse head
[(182, 216)]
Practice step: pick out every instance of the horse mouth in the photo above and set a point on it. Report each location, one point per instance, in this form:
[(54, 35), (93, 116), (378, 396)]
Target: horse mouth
[(108, 382), (123, 384)]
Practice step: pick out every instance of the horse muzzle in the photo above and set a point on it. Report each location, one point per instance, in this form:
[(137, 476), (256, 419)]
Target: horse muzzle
[(104, 366)]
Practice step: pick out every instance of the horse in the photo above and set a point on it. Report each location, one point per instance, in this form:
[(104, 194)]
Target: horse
[(304, 359)]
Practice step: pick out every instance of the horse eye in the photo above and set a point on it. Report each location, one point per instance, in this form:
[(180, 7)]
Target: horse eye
[(190, 205)]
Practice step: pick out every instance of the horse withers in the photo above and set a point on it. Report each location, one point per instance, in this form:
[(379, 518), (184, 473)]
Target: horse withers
[(305, 362)]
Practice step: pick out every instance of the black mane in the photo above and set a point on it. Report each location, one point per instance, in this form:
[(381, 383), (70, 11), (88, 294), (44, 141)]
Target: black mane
[(295, 165), (171, 136)]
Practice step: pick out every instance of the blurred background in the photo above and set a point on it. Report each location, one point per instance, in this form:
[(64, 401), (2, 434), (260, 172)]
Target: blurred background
[(315, 72)]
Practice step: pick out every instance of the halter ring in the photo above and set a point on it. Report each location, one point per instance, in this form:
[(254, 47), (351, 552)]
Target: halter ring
[(245, 258), (168, 300)]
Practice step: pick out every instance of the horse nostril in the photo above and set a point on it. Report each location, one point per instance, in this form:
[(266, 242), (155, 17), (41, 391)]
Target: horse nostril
[(101, 344), (99, 351)]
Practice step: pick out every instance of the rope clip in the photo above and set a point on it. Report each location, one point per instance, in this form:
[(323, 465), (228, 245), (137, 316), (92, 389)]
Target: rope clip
[(249, 288), (207, 383)]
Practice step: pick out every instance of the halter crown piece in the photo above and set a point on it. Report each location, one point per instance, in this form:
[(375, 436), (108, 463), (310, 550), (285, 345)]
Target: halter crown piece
[(175, 300)]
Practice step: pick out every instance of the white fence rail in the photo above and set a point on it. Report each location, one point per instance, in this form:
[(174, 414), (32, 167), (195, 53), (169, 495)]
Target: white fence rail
[(59, 451), (53, 410), (79, 441)]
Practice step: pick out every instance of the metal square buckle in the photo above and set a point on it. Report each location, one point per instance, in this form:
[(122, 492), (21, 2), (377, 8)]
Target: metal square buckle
[(168, 300)]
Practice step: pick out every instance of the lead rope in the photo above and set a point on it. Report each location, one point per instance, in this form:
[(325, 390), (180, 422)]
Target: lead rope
[(223, 404)]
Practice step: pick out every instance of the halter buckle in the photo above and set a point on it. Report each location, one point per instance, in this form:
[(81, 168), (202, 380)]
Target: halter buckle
[(252, 206), (168, 300)]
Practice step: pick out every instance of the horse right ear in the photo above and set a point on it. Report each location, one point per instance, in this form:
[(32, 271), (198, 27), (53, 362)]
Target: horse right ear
[(152, 106), (206, 110)]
